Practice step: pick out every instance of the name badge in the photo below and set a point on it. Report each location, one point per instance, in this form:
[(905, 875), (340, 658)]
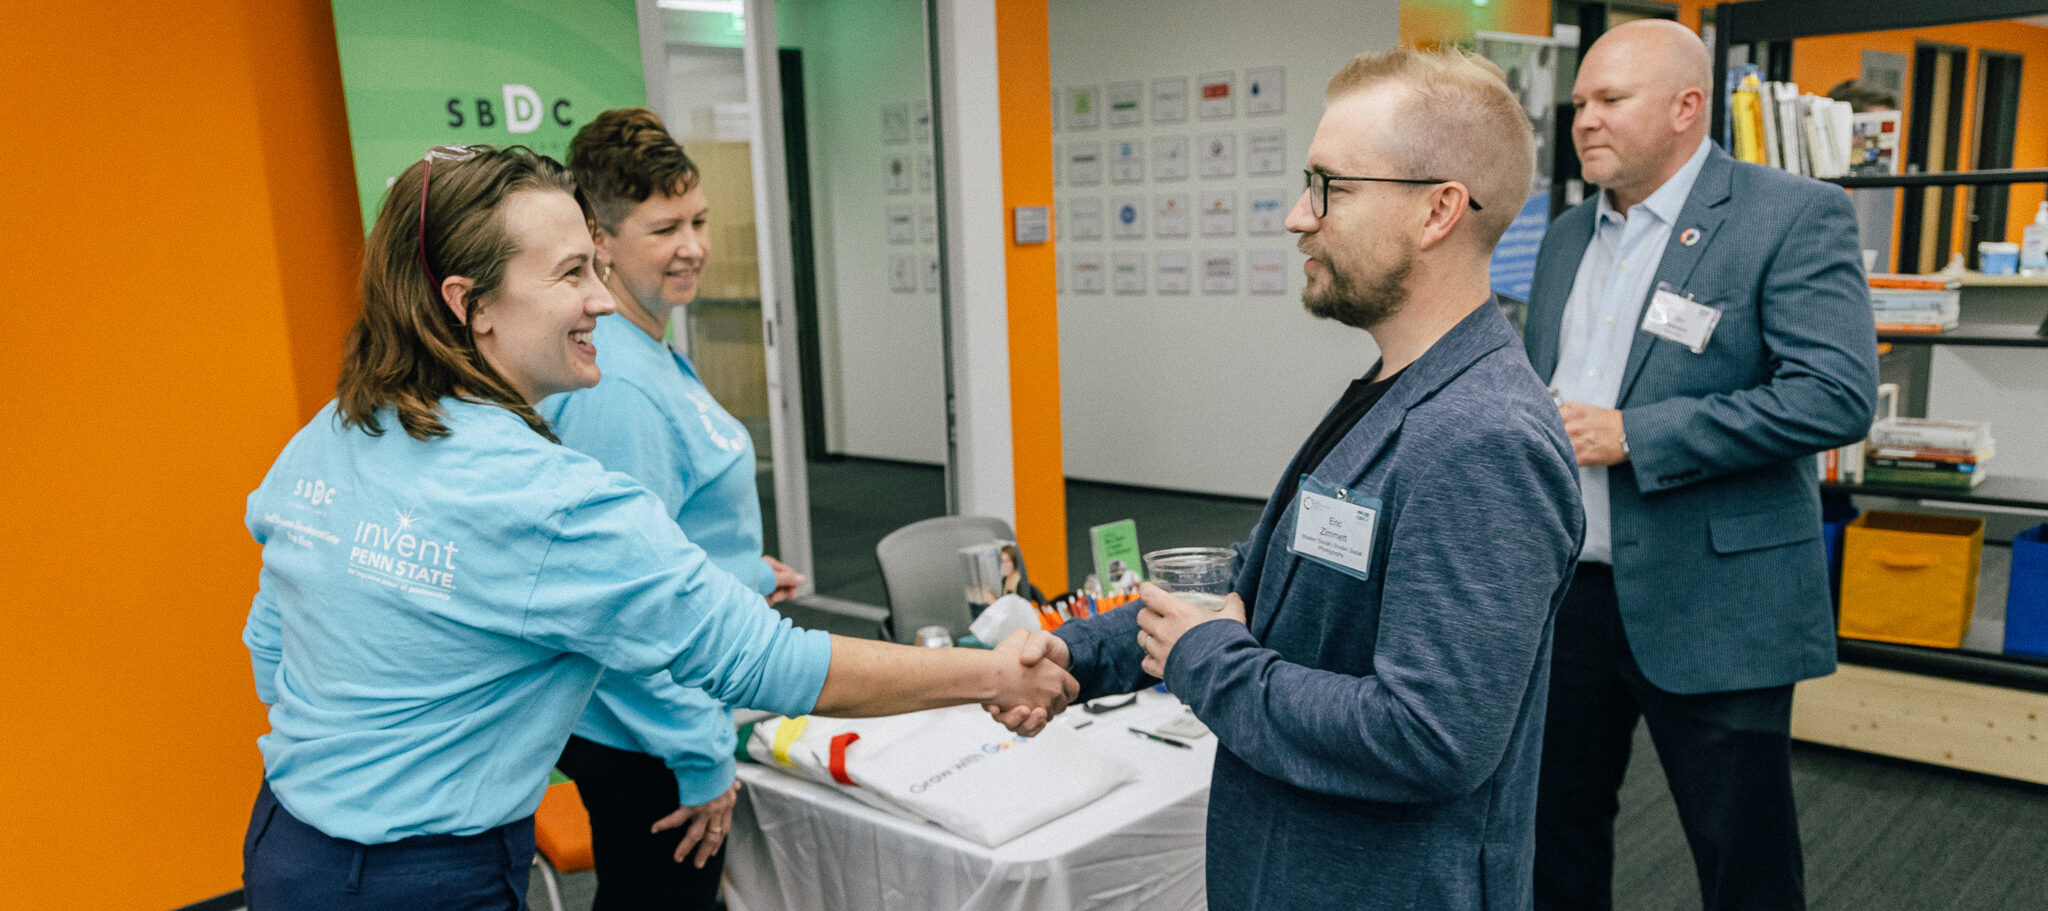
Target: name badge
[(1336, 529), (1680, 319)]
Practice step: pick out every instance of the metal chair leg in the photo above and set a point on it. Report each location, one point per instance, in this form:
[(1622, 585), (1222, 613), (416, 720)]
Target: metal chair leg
[(549, 881)]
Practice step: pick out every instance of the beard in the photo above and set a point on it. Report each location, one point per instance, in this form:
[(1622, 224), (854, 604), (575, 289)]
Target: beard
[(1360, 302)]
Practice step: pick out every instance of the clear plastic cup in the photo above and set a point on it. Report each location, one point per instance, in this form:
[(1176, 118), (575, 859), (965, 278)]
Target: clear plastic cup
[(1201, 576), (934, 637)]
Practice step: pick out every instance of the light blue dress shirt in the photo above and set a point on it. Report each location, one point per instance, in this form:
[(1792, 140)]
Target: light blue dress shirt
[(1601, 318), (432, 616), (651, 417)]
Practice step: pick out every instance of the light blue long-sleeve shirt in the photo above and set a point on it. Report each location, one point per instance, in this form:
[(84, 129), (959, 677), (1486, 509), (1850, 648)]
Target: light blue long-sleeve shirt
[(652, 418), (432, 616), (1601, 316)]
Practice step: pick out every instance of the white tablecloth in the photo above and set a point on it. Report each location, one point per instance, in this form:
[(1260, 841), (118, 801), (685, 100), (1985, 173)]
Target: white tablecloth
[(799, 846)]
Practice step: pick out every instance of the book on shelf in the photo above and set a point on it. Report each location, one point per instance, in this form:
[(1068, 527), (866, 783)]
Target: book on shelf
[(1936, 454), (1946, 480), (1842, 464), (1934, 465), (1774, 124), (1930, 433), (1874, 144), (1939, 281)]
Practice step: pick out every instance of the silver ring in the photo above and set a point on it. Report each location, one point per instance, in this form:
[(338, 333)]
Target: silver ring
[(1144, 638)]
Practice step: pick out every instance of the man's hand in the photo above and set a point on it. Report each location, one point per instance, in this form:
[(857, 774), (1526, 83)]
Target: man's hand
[(1166, 618), (1031, 689), (787, 580), (1595, 432), (1038, 645), (708, 823)]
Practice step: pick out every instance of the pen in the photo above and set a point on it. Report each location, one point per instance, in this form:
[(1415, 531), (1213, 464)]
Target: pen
[(1165, 740)]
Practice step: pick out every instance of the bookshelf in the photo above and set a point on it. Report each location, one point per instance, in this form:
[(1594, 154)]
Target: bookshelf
[(1975, 710)]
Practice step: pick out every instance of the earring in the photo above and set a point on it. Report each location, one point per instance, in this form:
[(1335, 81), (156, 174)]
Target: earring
[(604, 271)]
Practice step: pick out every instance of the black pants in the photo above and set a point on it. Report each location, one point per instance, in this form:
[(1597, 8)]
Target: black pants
[(1726, 757), (625, 792), (288, 864)]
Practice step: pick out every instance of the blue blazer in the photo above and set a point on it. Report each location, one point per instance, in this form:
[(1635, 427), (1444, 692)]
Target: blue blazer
[(1378, 736), (1718, 559)]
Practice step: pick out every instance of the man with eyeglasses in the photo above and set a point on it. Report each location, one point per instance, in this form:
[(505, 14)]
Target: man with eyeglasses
[(1707, 327), (1376, 682)]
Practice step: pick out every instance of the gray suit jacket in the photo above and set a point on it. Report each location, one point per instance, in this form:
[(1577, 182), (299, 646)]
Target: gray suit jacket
[(1378, 737), (1718, 558)]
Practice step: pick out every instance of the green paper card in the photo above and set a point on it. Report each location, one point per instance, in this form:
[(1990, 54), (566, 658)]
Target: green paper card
[(1116, 551)]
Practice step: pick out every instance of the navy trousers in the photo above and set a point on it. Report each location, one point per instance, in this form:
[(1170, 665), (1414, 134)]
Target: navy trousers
[(287, 864), (1727, 758)]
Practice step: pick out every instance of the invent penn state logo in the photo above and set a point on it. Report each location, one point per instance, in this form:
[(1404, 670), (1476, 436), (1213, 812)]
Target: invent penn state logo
[(401, 556)]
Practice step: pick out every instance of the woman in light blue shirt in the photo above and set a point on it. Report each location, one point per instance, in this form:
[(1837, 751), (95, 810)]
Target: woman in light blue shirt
[(653, 761), (435, 605)]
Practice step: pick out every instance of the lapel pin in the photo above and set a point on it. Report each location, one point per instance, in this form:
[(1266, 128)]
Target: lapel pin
[(1690, 237)]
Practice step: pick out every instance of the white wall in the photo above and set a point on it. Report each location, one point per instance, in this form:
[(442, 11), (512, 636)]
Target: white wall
[(1200, 392), (881, 349)]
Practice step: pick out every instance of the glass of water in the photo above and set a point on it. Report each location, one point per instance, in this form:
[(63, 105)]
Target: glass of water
[(1201, 576)]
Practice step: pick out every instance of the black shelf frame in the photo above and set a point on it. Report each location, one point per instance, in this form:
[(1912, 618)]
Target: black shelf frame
[(1987, 176), (2014, 493), (2019, 672), (1991, 335)]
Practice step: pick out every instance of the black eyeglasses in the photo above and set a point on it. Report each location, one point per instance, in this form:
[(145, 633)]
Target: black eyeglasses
[(1318, 186)]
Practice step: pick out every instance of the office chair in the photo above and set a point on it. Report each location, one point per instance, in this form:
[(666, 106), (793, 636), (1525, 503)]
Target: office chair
[(922, 576)]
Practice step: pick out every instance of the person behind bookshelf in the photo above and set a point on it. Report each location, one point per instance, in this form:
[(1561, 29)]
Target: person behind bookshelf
[(1873, 207), (1863, 98)]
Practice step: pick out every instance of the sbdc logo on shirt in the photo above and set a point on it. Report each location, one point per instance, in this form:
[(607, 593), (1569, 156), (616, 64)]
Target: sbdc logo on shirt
[(522, 110)]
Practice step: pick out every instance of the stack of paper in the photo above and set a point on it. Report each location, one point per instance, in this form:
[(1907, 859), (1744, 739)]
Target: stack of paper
[(1916, 303)]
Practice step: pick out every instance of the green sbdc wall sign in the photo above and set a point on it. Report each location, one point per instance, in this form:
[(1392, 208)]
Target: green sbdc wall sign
[(417, 73)]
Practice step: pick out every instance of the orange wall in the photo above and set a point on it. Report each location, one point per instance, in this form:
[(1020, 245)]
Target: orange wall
[(1819, 63), (181, 208), (1024, 68), (1430, 22)]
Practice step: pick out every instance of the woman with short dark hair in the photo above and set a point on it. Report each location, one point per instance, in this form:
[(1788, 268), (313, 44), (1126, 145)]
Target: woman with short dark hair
[(653, 761)]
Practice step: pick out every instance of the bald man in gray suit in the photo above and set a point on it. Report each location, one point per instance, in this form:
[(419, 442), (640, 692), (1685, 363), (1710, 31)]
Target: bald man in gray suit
[(1706, 326)]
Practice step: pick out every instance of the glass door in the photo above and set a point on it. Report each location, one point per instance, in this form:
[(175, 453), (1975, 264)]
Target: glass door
[(820, 322)]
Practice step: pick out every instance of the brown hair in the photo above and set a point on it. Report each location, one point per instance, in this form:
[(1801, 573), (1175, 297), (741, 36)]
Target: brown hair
[(622, 157), (1458, 121), (407, 350)]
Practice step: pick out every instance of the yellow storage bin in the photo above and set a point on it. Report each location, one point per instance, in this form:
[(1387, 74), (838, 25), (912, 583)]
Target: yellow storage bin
[(1910, 578)]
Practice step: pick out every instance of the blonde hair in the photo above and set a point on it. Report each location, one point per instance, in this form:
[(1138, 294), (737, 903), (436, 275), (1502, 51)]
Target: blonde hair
[(1456, 120)]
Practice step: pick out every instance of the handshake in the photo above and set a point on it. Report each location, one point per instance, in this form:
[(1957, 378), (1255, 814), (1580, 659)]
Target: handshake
[(1032, 680), (1032, 683)]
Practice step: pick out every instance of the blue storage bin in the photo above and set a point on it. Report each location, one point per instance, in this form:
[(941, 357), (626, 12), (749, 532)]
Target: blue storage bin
[(2026, 601), (1835, 517)]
